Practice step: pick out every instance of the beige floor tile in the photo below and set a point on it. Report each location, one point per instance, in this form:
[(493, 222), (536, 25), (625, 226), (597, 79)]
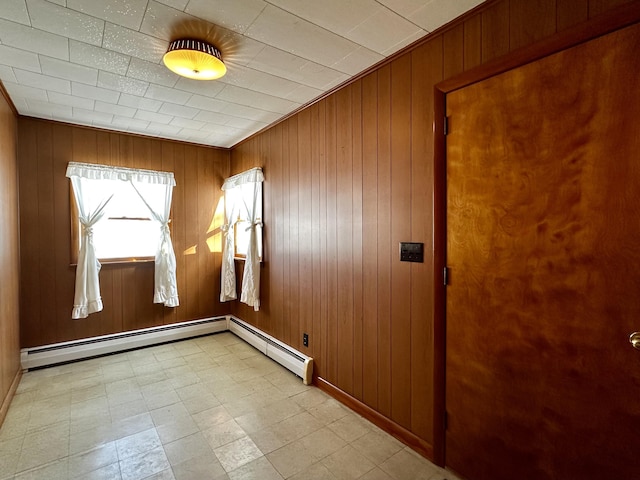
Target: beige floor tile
[(328, 411), (138, 444), (56, 470), (200, 403), (128, 410), (130, 425), (204, 467), (376, 474), (108, 472), (144, 464), (260, 468), (237, 453), (291, 459), (211, 417), (187, 448), (268, 439), (88, 393), (223, 433), (95, 459), (181, 427), (169, 413), (377, 446), (322, 443), (310, 398), (44, 446), (317, 471), (347, 464), (350, 427), (9, 456), (406, 464)]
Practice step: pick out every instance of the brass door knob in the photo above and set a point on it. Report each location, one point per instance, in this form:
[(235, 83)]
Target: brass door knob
[(634, 339)]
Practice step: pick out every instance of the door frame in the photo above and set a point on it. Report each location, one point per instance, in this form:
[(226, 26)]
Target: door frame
[(616, 19)]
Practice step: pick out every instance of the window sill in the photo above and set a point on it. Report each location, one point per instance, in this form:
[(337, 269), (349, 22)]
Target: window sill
[(123, 261)]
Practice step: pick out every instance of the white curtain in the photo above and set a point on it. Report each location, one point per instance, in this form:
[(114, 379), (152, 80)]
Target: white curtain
[(93, 187), (228, 276), (244, 192), (157, 198)]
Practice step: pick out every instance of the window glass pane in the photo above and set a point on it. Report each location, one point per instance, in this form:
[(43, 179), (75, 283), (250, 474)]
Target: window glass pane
[(126, 238)]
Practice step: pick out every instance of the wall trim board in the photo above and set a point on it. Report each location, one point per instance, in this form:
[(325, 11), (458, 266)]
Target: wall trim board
[(6, 402), (5, 94), (603, 24), (392, 428)]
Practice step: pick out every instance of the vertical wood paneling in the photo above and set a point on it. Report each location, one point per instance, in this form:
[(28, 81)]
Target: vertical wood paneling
[(473, 42), (344, 238), (294, 324), (400, 231), (453, 44), (370, 239), (596, 7), (9, 260), (47, 280), (422, 305), (357, 245), (495, 30), (531, 21), (384, 240), (571, 12)]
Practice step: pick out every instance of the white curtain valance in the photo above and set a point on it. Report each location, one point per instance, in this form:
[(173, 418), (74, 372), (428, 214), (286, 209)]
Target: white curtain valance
[(254, 175), (106, 172)]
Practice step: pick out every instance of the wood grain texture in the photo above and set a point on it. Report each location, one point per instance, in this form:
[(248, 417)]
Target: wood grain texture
[(47, 279), (9, 257), (544, 267), (359, 179)]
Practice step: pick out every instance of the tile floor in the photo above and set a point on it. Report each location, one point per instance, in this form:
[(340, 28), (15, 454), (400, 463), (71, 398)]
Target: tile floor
[(205, 408)]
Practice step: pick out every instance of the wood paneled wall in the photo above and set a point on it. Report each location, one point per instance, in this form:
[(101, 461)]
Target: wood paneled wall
[(346, 180), (9, 253), (47, 283)]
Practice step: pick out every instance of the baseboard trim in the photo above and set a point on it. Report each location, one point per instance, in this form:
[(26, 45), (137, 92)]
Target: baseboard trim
[(6, 402), (410, 439)]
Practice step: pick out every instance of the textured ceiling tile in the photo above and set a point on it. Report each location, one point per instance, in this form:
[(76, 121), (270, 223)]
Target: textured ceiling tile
[(44, 82), (7, 74), (127, 13), (153, 117), (178, 110), (139, 102), (96, 57), (63, 99), (244, 123), (231, 14), (178, 4), (34, 40), (48, 110), (252, 113), (303, 94), (122, 84), (161, 21), (152, 72), (91, 117), (357, 61), (206, 103), (62, 21), (204, 88), (165, 94), (187, 123), (129, 123), (294, 35), (114, 109), (132, 43), (95, 93), (69, 71), (242, 96), (383, 31), (22, 91), (163, 129), (439, 12), (15, 10), (211, 117)]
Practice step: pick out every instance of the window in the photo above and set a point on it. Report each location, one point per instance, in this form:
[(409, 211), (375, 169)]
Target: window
[(122, 213), (243, 235), (126, 231)]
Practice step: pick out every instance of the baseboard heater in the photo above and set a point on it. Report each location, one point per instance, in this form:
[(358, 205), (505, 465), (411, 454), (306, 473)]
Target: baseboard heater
[(291, 359), (58, 353)]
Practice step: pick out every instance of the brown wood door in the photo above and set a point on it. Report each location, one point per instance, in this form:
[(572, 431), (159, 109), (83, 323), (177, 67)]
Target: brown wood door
[(543, 245)]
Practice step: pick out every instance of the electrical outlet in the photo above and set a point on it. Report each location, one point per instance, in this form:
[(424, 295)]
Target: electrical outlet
[(305, 339)]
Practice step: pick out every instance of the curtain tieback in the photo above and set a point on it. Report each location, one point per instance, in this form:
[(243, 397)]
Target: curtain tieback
[(257, 223), (225, 228), (165, 227), (87, 231)]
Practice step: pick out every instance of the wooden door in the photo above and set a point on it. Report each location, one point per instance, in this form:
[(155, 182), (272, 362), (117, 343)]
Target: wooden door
[(543, 245)]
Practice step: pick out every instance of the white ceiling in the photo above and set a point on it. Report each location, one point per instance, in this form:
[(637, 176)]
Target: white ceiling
[(99, 62)]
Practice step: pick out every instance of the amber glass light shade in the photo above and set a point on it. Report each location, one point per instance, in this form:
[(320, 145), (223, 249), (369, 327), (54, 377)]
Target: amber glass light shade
[(194, 59)]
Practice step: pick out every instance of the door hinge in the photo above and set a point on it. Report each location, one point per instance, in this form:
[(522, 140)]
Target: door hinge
[(446, 125), (446, 276)]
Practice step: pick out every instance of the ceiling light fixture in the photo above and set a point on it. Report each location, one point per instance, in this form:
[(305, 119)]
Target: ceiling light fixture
[(194, 59)]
